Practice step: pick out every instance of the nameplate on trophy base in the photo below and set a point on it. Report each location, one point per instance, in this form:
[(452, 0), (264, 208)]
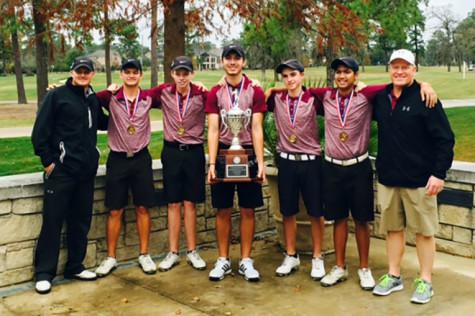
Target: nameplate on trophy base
[(235, 166), (237, 171)]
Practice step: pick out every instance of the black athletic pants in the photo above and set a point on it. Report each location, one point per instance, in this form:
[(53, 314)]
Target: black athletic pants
[(69, 199)]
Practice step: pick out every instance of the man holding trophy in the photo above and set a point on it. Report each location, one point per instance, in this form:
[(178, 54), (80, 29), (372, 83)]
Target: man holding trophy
[(235, 115)]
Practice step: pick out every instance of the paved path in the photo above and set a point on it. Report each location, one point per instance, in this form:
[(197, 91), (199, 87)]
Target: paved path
[(11, 132), (184, 291), (455, 103)]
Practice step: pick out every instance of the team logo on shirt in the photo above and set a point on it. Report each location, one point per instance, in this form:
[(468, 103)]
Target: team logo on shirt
[(406, 108)]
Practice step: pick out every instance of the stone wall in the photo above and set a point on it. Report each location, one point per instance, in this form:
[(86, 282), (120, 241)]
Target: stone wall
[(20, 223), (21, 205)]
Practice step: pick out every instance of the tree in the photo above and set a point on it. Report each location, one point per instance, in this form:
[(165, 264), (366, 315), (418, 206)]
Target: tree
[(199, 15), (18, 69), (333, 25), (277, 38), (174, 33), (63, 62), (40, 22), (338, 29), (438, 50), (154, 44), (65, 16), (447, 24), (106, 25), (192, 41), (465, 36), (127, 39), (15, 11), (396, 19), (5, 51), (369, 26), (257, 42), (432, 54), (416, 41), (102, 17), (5, 43)]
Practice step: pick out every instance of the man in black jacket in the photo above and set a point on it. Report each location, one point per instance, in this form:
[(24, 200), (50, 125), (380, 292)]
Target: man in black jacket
[(415, 150), (65, 136)]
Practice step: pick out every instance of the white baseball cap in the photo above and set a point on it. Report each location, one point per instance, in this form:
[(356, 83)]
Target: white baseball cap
[(403, 54)]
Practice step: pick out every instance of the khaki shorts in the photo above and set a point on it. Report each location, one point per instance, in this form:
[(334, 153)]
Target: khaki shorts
[(409, 208)]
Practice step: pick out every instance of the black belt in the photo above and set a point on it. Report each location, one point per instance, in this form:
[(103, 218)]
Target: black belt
[(181, 146), (224, 146), (129, 154)]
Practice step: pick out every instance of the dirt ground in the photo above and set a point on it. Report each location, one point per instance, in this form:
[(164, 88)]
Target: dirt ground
[(14, 111)]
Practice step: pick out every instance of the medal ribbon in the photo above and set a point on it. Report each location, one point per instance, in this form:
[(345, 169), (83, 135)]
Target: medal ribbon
[(235, 103), (342, 116), (184, 110), (293, 117), (136, 105)]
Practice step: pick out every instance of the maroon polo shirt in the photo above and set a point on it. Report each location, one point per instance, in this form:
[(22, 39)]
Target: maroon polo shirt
[(296, 123), (183, 116), (250, 97), (123, 115), (347, 122)]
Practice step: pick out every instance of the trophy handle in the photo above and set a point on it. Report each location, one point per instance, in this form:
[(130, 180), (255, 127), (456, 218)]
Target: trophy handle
[(248, 115), (223, 118)]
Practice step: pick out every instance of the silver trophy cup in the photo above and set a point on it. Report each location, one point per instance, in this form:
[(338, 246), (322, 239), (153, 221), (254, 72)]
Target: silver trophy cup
[(236, 120)]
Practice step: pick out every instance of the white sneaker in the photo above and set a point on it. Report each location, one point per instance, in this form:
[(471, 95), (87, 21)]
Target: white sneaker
[(43, 287), (194, 259), (85, 275), (289, 265), (106, 267), (147, 264), (170, 260), (246, 268), (336, 275), (221, 268), (318, 269), (366, 279)]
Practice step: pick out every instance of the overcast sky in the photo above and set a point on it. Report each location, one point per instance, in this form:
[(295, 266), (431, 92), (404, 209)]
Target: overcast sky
[(460, 8)]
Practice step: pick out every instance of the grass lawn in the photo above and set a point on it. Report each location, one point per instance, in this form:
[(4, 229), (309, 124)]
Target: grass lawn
[(12, 115), (461, 120), (16, 154), (449, 85)]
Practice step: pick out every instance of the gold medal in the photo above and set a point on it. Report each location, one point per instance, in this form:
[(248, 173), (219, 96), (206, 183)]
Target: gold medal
[(343, 136), (181, 131), (131, 130), (293, 138)]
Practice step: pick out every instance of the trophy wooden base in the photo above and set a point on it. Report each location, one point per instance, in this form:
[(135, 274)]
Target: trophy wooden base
[(236, 166)]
